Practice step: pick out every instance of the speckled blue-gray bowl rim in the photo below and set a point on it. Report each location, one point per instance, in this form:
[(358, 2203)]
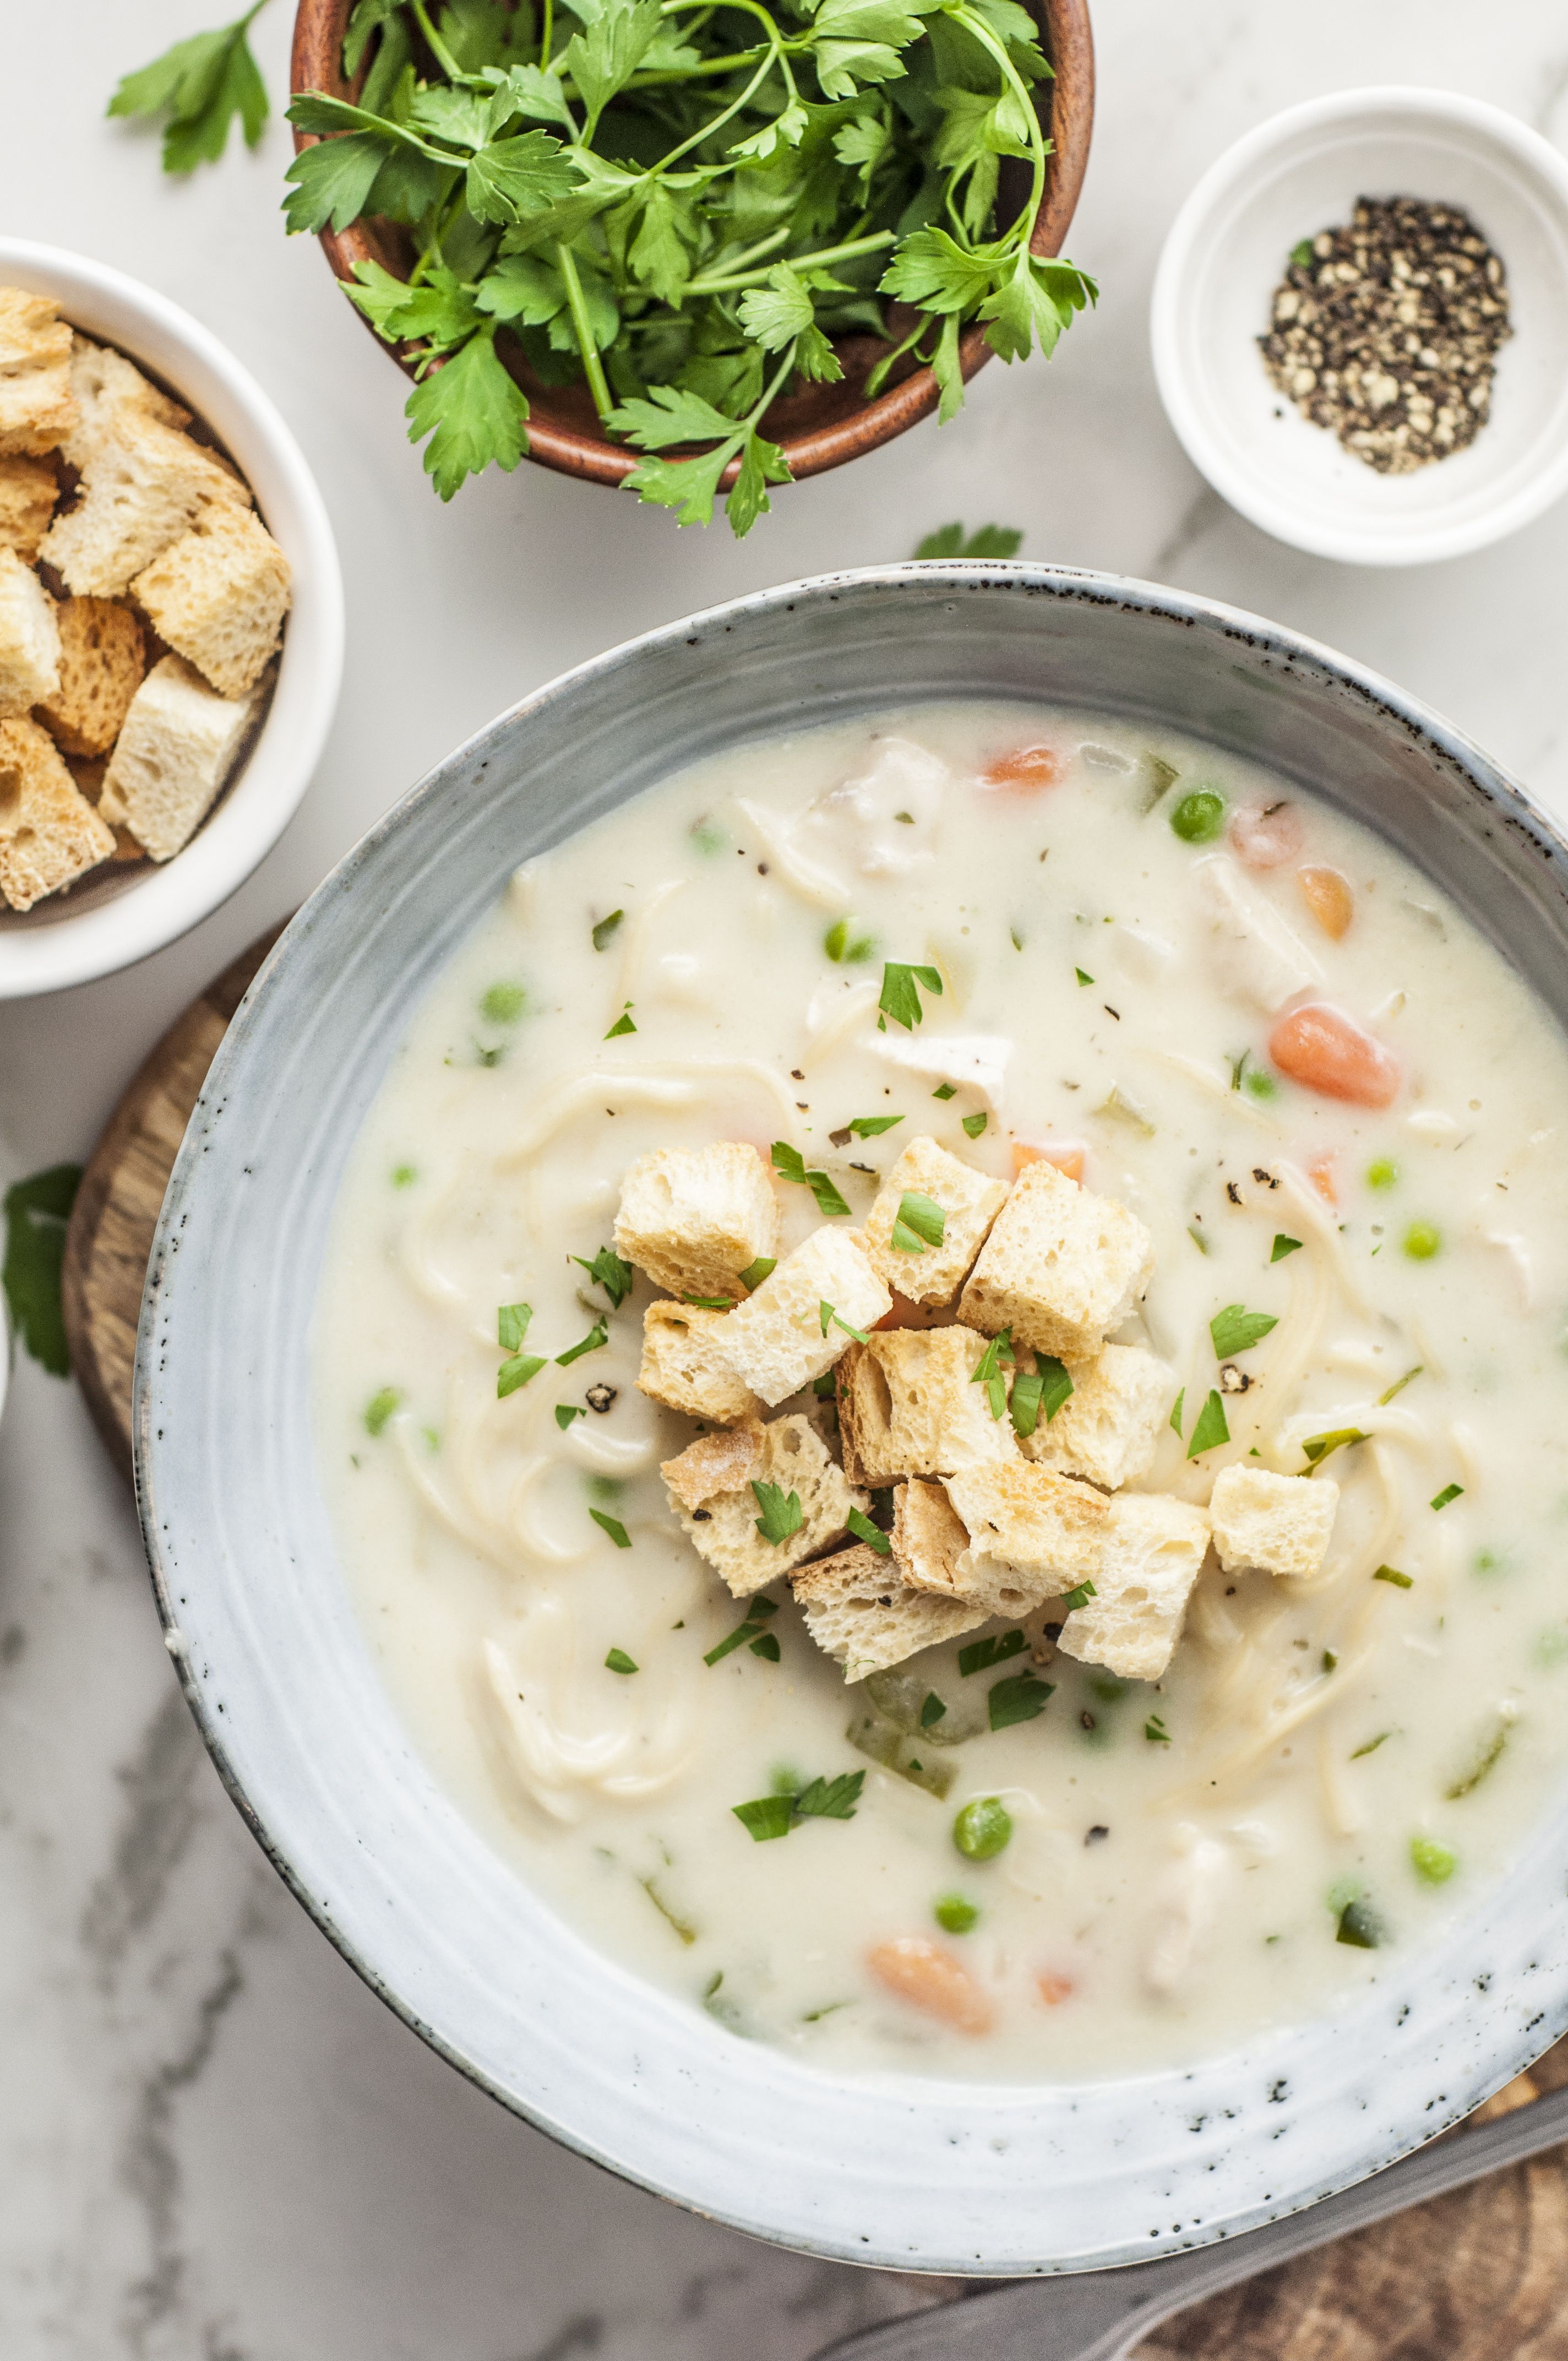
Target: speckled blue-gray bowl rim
[(896, 2170)]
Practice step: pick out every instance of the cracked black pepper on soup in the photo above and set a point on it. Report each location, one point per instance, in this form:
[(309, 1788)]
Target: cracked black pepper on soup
[(1385, 332)]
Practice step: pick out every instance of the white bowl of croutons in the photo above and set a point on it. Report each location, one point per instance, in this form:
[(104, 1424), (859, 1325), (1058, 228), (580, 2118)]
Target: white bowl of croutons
[(171, 621)]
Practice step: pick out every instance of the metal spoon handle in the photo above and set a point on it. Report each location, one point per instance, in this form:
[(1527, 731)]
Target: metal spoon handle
[(1099, 2315)]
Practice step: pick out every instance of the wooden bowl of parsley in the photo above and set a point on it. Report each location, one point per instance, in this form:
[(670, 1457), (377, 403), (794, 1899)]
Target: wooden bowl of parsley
[(691, 248)]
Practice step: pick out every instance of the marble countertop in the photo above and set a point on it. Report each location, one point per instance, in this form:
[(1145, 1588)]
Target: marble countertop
[(214, 2144)]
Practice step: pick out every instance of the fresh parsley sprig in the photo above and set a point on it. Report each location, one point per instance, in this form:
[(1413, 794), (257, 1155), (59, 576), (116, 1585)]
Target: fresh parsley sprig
[(199, 86)]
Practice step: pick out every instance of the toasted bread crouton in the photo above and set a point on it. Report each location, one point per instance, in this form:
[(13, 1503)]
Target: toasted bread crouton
[(1061, 1268), (218, 595), (908, 1405), (970, 1202), (110, 392), (683, 1365), (37, 405), (928, 1538), (861, 1614), (694, 1218), (710, 1486), (1110, 1424), (176, 747), (1276, 1524), (1032, 1535), (778, 1341), (103, 656), (1153, 1553), (140, 490), (50, 835), (30, 637), (28, 490)]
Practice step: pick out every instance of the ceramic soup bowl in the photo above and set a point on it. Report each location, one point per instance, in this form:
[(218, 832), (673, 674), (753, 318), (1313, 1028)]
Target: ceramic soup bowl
[(893, 2170)]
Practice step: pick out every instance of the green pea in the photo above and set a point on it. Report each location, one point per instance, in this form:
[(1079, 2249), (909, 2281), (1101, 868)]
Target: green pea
[(1383, 1174), (1434, 1864), (1199, 818), (503, 1003), (982, 1829), (955, 1915), (1422, 1240)]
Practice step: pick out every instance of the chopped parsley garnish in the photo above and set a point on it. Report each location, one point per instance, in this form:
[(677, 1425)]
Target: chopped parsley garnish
[(1485, 1762), (597, 1334), (1449, 1492), (1359, 1924), (1199, 1240), (622, 1024), (830, 1319), (872, 1126), (566, 1412), (1082, 978), (823, 1800), (37, 1211), (826, 1386), (404, 1175), (1317, 1447), (755, 1272), (1329, 1660), (710, 1302), (945, 1091), (1176, 1411), (988, 1371), (1399, 1385), (613, 1527), (757, 1615), (919, 1222), (1391, 1573), (1028, 1390), (1155, 1731), (607, 928), (790, 1165), (841, 943), (933, 1709), (767, 1647), (1236, 1329), (618, 1661), (1018, 1698), (512, 1325), (975, 1123), (707, 838), (503, 1003), (608, 1271), (1283, 1246), (1372, 1745), (860, 1525), (780, 1510), (516, 1372), (980, 1654), (379, 1408), (1078, 1595), (1211, 1429), (900, 998)]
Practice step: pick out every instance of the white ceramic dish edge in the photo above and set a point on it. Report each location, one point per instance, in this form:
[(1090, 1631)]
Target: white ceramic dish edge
[(925, 2176), (74, 948), (1294, 482)]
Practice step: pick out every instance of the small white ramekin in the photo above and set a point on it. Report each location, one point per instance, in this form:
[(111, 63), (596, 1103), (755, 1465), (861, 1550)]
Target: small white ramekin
[(55, 946), (1226, 252)]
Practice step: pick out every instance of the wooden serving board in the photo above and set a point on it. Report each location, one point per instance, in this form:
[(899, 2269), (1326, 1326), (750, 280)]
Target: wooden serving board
[(1478, 2276)]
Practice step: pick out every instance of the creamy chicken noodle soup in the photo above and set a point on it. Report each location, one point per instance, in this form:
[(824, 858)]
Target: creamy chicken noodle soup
[(941, 1378)]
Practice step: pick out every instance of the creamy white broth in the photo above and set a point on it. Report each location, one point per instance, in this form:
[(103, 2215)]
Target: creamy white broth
[(1169, 1895)]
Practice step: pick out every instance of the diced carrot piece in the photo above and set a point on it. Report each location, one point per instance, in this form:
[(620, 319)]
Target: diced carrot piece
[(1320, 1173), (1328, 897), (929, 1978), (1025, 770), (1327, 1052), (1266, 836), (1055, 1989), (1067, 1155)]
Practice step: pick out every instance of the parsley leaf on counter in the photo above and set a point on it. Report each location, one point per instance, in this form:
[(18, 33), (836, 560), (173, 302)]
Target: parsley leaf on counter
[(986, 541), (199, 86), (37, 1211)]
